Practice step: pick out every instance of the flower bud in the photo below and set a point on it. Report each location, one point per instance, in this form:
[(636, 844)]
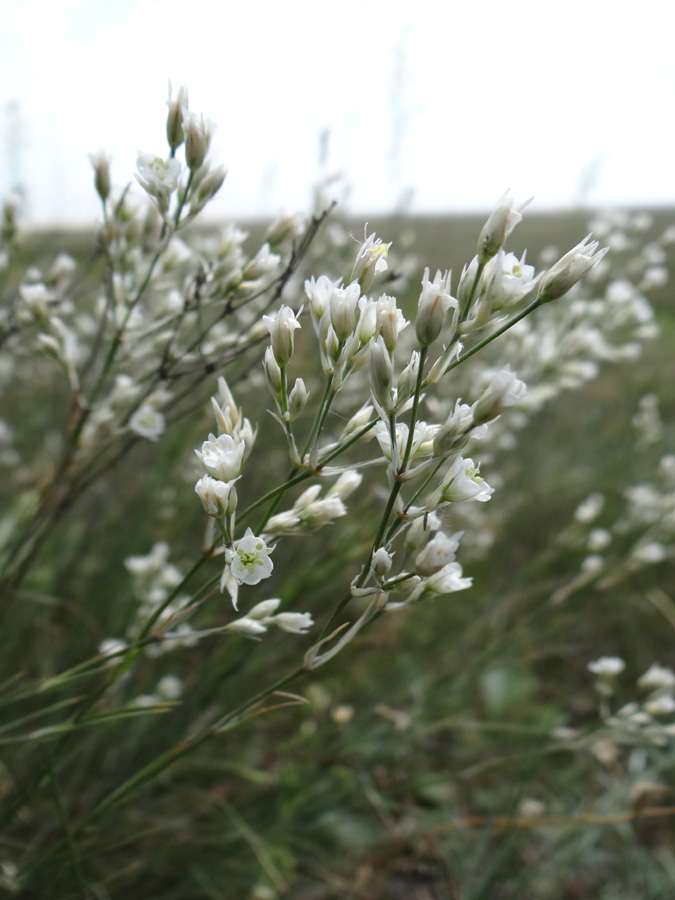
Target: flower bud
[(281, 327), (343, 302), (408, 380), (273, 374), (370, 261), (219, 498), (197, 135), (381, 374), (432, 306), (501, 222), (381, 563), (174, 120), (437, 554), (297, 399), (101, 163), (567, 271), (505, 389)]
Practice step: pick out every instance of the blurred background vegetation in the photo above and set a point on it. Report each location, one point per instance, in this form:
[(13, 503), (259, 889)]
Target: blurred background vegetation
[(428, 762)]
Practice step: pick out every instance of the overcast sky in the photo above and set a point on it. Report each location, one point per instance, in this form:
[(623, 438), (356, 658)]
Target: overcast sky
[(449, 104)]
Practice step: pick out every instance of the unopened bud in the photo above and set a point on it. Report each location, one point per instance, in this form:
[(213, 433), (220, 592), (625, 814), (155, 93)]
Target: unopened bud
[(297, 399), (381, 374), (281, 327), (174, 120), (101, 163), (501, 222), (567, 271), (432, 307)]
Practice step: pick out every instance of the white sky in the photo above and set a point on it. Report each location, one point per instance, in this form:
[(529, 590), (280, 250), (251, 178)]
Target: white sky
[(568, 101)]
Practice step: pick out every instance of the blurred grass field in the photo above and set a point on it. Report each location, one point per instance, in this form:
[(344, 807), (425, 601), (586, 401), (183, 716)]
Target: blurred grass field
[(409, 771)]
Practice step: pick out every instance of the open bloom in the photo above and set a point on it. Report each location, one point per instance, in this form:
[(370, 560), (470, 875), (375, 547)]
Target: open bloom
[(222, 456), (250, 560), (158, 177)]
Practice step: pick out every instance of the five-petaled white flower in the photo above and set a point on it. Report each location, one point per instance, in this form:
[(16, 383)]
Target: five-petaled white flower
[(222, 456), (250, 561)]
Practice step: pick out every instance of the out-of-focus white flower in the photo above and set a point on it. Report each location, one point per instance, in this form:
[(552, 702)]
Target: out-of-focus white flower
[(246, 626), (590, 508), (174, 119), (222, 456), (454, 433), (284, 227), (505, 389), (663, 705), (158, 177), (432, 306), (567, 271), (346, 484), (197, 133), (281, 326), (264, 609), (598, 539), (659, 678), (294, 623), (250, 561), (649, 553), (147, 422), (170, 687), (437, 554), (263, 263), (101, 163), (607, 666), (501, 222)]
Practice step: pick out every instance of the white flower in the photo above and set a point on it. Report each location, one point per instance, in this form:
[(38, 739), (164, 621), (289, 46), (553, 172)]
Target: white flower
[(281, 326), (504, 390), (319, 292), (370, 261), (343, 305), (657, 678), (463, 482), (147, 422), (218, 498), (264, 609), (607, 666), (250, 561), (246, 626), (590, 508), (501, 222), (170, 687), (295, 623), (507, 280), (437, 554), (197, 135), (663, 705), (158, 177), (263, 263), (222, 456), (432, 306), (568, 270)]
